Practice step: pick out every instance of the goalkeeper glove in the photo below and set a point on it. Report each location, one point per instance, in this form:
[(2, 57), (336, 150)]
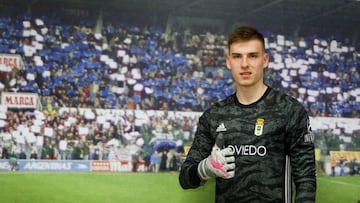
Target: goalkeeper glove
[(220, 163)]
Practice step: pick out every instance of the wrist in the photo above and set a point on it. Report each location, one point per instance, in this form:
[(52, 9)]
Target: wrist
[(202, 170)]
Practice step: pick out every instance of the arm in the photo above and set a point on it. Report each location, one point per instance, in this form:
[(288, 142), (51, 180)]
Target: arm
[(207, 158), (302, 157), (200, 149)]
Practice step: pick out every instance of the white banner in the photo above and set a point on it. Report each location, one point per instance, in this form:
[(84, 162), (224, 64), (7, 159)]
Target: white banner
[(11, 60), (20, 100)]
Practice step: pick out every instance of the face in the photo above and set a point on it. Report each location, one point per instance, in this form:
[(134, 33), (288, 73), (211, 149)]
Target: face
[(247, 61)]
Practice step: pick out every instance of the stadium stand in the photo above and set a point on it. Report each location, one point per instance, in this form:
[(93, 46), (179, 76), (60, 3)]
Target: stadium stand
[(136, 67), (128, 66)]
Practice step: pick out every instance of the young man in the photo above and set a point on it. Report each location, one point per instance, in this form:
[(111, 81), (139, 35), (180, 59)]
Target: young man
[(256, 142)]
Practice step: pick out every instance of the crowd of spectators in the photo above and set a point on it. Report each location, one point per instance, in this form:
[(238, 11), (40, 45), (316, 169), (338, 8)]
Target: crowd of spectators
[(92, 135), (141, 67)]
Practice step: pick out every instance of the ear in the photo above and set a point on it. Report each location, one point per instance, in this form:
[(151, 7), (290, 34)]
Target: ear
[(228, 62), (266, 60)]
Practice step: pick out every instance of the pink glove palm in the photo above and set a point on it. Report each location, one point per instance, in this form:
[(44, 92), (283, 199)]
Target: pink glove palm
[(219, 164)]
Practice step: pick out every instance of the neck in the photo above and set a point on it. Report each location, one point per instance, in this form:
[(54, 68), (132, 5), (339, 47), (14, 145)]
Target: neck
[(249, 95)]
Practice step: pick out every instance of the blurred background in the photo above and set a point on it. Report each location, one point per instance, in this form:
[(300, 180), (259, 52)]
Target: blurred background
[(121, 83)]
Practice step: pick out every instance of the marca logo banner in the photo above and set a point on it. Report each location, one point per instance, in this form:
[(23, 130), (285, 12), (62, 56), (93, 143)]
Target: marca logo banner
[(19, 100)]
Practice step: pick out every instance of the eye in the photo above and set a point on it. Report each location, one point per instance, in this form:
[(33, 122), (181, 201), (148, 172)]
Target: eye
[(253, 55), (236, 56)]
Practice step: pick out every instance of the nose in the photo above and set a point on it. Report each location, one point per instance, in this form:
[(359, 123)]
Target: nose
[(244, 62)]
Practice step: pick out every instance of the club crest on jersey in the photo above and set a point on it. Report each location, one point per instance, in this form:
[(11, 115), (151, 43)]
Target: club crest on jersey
[(259, 127)]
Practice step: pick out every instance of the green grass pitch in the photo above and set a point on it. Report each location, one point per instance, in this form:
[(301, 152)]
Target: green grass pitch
[(39, 187)]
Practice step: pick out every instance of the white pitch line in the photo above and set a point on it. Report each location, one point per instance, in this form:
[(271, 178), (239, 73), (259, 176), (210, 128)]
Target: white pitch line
[(340, 182)]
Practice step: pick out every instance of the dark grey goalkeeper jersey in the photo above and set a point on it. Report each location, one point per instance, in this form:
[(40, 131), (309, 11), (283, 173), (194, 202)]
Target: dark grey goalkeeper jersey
[(273, 145)]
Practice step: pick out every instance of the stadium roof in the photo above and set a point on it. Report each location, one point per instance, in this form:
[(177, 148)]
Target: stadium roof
[(320, 16)]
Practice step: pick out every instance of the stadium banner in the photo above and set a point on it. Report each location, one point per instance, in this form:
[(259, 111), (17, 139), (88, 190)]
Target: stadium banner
[(115, 166), (20, 100), (5, 165), (72, 165), (54, 165), (100, 166), (345, 155), (11, 61)]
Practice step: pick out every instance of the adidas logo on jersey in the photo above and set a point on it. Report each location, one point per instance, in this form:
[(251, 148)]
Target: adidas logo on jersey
[(221, 128), (308, 138)]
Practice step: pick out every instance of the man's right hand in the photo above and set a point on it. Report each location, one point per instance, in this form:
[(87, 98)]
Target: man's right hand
[(220, 163)]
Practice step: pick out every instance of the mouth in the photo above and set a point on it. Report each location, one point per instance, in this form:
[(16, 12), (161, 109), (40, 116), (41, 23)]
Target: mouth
[(245, 73)]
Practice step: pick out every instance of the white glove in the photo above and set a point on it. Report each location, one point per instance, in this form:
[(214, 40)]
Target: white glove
[(220, 163)]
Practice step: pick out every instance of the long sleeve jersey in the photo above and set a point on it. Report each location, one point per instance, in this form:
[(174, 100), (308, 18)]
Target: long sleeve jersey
[(273, 148)]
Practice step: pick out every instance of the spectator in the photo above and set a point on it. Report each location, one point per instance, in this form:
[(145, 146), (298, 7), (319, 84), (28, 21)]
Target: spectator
[(154, 162), (333, 166), (342, 166), (353, 167)]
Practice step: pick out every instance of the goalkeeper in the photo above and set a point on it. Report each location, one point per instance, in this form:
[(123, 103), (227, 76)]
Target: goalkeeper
[(257, 143)]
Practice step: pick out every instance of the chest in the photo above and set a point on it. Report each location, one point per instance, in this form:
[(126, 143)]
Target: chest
[(251, 129)]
